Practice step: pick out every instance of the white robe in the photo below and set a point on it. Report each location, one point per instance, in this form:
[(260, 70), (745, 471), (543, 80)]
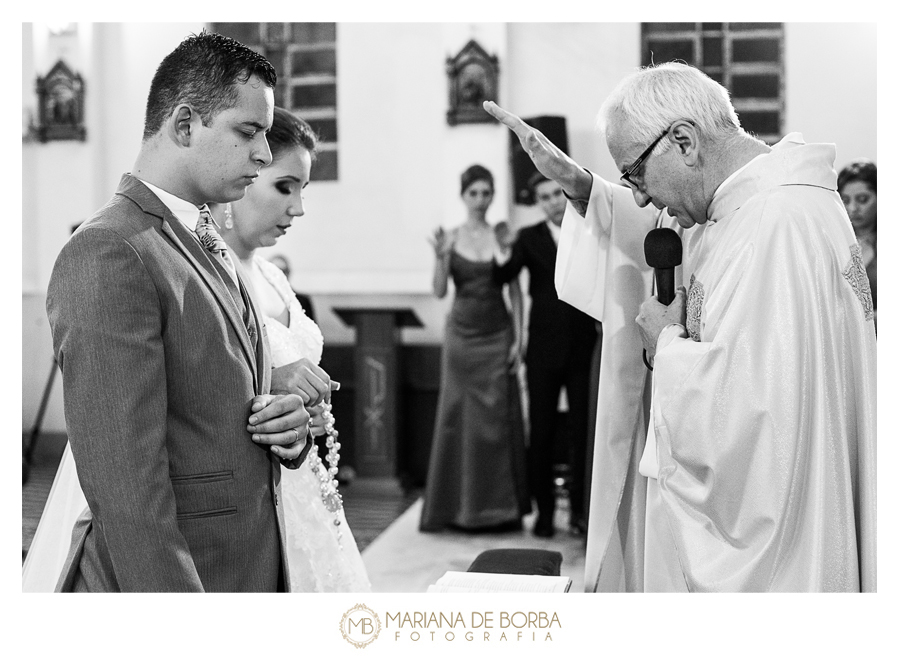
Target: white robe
[(764, 415)]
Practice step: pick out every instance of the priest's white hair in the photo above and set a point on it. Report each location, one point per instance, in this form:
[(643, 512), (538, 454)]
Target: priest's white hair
[(650, 100)]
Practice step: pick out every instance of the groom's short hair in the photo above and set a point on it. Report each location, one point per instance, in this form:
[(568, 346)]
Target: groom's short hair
[(202, 72)]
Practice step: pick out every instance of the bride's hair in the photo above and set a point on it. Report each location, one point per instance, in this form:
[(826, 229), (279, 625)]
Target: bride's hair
[(289, 131)]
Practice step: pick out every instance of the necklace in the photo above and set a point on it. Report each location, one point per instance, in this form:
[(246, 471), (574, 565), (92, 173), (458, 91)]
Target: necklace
[(328, 486)]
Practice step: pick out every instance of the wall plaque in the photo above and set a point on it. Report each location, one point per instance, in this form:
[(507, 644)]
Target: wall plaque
[(60, 104), (472, 76)]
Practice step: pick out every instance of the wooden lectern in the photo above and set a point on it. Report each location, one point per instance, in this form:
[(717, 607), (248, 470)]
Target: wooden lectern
[(376, 365)]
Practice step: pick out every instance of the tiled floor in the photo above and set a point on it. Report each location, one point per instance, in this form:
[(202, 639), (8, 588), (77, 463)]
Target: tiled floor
[(35, 490), (373, 504), (402, 559)]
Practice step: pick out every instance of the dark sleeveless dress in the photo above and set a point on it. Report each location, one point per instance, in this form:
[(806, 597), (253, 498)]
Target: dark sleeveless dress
[(476, 473)]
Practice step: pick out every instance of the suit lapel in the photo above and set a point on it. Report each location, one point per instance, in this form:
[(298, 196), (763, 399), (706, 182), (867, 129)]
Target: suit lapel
[(256, 324), (204, 266), (198, 257)]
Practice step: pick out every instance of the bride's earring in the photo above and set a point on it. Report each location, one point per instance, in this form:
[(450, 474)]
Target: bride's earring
[(229, 216)]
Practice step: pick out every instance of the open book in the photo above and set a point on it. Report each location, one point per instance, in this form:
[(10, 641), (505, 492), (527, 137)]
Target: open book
[(474, 582)]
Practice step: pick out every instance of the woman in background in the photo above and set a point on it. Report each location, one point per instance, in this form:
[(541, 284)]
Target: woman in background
[(476, 473), (857, 185), (321, 552)]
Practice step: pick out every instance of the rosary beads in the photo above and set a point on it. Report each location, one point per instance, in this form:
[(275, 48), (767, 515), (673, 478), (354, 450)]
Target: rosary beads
[(328, 486)]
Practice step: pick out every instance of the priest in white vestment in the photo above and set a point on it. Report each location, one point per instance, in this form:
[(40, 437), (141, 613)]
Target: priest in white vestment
[(758, 473)]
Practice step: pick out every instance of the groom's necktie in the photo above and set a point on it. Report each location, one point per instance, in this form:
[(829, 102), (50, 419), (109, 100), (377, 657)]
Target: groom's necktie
[(213, 242), (218, 249)]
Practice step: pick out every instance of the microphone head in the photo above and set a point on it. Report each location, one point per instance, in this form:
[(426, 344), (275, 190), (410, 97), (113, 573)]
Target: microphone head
[(662, 248)]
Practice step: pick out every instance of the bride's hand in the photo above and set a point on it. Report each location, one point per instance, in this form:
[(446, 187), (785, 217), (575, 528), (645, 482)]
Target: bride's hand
[(318, 417), (306, 379)]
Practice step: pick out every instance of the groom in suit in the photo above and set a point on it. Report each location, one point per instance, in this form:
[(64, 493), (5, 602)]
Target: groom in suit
[(560, 347), (177, 443)]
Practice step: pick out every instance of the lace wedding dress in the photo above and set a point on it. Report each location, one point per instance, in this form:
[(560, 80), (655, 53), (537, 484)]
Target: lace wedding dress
[(322, 556), (319, 560)]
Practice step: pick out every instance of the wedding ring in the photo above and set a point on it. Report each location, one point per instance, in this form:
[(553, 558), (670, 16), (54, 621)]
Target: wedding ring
[(296, 433)]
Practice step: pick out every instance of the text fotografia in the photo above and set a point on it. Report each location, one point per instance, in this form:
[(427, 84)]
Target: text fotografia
[(479, 626)]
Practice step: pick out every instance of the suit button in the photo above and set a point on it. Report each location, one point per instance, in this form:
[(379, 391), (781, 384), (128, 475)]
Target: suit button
[(276, 499)]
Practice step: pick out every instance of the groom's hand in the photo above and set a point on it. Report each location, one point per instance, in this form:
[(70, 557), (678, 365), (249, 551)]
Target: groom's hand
[(281, 422)]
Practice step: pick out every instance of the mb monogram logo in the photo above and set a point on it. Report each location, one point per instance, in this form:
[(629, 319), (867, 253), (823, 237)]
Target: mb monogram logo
[(360, 626)]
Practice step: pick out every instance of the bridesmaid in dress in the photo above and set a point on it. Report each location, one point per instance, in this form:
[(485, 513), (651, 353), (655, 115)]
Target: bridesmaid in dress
[(476, 473)]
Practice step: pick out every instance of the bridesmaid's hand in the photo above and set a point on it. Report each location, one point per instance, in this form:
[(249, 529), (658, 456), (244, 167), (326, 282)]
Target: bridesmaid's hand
[(504, 235), (441, 241)]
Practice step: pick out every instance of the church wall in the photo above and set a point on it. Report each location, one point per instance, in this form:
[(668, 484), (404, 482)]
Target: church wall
[(363, 240), (831, 90), (64, 182)]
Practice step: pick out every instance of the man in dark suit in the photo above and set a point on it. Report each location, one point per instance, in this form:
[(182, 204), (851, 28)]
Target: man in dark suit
[(560, 347), (177, 443)]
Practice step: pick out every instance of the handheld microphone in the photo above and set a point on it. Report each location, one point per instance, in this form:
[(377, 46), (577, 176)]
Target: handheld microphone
[(662, 250)]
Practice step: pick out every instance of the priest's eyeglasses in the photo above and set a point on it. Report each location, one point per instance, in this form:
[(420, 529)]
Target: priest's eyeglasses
[(628, 175)]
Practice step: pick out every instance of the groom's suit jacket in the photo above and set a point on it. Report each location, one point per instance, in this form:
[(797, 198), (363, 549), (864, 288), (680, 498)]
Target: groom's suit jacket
[(160, 363)]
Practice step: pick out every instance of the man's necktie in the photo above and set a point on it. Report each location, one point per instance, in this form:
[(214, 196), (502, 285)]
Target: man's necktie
[(213, 242)]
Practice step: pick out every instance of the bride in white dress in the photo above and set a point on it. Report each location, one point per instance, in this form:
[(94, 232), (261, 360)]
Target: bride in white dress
[(321, 551), (322, 554)]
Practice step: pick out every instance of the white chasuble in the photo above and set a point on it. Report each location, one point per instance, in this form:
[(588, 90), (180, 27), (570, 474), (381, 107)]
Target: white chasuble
[(764, 414), (600, 269)]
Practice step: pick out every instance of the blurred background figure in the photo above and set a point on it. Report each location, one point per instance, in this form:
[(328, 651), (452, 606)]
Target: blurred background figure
[(283, 264), (476, 474), (559, 354), (857, 185), (321, 551)]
